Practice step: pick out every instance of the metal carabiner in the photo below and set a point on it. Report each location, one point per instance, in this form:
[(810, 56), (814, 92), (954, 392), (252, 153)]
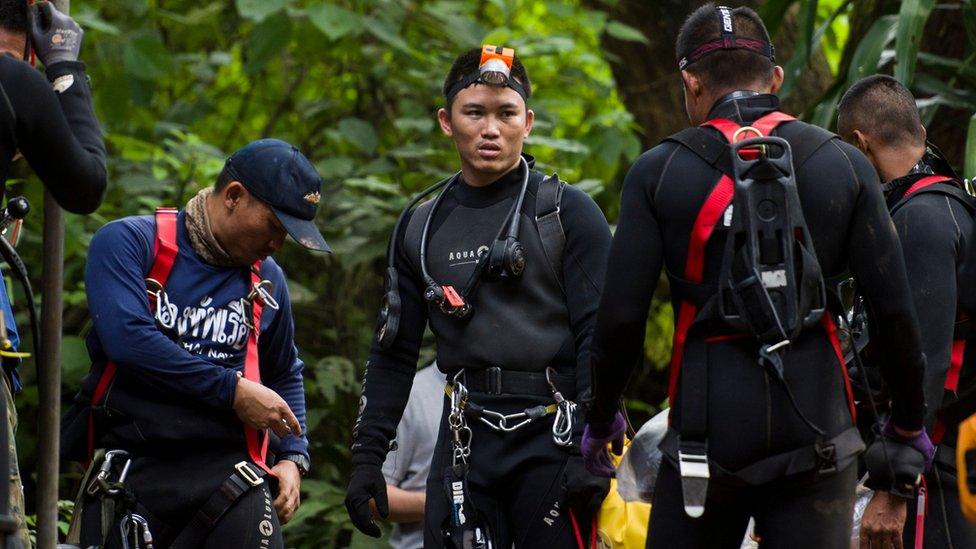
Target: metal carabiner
[(101, 481), (258, 291), (134, 525)]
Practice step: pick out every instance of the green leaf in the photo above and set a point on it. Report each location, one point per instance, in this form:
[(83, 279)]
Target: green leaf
[(621, 31), (146, 58), (269, 39), (258, 10), (772, 13), (359, 133), (911, 22), (867, 55), (334, 21), (970, 170)]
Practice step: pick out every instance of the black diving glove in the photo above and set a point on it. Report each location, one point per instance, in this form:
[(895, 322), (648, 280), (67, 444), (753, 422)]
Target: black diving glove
[(365, 483), (583, 492), (893, 466)]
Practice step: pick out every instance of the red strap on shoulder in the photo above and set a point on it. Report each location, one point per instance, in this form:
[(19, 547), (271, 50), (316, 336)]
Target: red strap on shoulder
[(925, 182), (257, 446), (165, 249), (764, 125)]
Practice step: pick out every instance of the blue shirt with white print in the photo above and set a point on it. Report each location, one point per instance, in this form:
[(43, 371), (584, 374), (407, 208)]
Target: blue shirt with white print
[(202, 366)]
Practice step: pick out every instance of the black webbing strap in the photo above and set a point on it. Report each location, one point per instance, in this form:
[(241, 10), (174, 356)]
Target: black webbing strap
[(832, 455), (962, 196), (244, 478), (806, 142), (550, 227), (495, 381)]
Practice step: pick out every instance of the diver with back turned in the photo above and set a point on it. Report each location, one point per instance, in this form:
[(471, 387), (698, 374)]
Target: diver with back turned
[(750, 213)]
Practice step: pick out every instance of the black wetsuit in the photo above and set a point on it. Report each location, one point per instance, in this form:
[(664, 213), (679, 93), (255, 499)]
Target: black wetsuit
[(749, 415), (57, 132), (936, 233), (522, 325)]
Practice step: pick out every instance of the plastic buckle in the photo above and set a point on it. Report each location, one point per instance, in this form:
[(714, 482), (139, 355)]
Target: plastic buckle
[(248, 474), (693, 465), (826, 458), (493, 380)]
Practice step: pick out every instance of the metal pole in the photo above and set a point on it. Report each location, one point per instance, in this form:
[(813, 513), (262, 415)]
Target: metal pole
[(49, 365)]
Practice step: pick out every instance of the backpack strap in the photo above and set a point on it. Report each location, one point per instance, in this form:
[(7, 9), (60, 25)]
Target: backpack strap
[(706, 146), (937, 184), (550, 227)]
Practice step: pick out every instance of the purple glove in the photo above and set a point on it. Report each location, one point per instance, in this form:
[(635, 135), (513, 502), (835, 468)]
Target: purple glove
[(596, 436), (919, 442)]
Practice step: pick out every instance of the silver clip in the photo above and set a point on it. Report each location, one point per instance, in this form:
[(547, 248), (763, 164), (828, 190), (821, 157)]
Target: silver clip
[(694, 482)]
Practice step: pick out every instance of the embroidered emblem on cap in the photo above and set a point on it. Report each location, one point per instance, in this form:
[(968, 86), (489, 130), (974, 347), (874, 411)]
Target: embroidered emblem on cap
[(313, 198)]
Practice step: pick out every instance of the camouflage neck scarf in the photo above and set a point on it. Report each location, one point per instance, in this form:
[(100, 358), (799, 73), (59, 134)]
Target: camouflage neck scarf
[(201, 236)]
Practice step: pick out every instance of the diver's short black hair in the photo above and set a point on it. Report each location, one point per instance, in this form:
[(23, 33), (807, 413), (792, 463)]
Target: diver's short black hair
[(469, 61), (725, 68), (13, 15), (223, 179), (883, 107)]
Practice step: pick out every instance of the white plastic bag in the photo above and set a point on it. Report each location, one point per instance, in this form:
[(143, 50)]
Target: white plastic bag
[(637, 471)]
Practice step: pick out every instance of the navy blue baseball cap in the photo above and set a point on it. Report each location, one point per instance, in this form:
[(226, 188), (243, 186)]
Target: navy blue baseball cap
[(281, 176)]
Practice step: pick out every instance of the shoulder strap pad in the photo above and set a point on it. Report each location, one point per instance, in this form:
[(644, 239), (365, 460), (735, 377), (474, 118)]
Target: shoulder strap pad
[(808, 141), (966, 199), (165, 249), (709, 148), (550, 227)]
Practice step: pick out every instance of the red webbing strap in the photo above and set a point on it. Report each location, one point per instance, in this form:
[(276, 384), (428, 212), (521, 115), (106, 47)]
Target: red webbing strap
[(165, 250), (921, 510), (951, 383), (925, 182), (828, 323), (708, 216), (256, 449)]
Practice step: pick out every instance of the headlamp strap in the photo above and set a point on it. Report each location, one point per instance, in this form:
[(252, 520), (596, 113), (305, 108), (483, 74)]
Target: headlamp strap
[(727, 41)]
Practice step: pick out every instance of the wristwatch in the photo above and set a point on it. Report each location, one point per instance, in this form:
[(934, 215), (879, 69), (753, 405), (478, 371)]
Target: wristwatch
[(300, 460)]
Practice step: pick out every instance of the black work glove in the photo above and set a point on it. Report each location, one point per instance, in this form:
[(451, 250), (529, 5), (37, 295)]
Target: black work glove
[(583, 492), (365, 483), (55, 36)]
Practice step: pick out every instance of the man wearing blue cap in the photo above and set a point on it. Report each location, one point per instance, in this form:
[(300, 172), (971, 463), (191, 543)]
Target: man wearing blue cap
[(183, 389)]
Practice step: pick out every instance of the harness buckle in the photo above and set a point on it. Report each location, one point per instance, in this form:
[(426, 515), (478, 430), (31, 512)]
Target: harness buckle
[(493, 380), (248, 474), (826, 458), (693, 465)]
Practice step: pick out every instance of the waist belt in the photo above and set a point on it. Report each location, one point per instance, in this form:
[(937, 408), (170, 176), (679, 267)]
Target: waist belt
[(824, 458), (495, 381)]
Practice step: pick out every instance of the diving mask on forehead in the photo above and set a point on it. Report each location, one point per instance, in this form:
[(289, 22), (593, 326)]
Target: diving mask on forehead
[(495, 69)]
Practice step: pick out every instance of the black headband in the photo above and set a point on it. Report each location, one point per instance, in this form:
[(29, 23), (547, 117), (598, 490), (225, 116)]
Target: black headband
[(728, 41), (475, 77)]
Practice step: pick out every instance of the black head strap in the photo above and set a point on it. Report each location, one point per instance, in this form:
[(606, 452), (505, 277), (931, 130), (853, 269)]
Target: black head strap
[(475, 77), (727, 41)]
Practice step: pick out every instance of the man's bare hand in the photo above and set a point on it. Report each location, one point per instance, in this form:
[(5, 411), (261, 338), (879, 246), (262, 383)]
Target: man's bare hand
[(262, 408), (883, 522), (289, 494)]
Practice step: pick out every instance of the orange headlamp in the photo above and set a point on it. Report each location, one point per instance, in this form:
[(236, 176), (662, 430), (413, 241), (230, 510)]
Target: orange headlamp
[(494, 69), (496, 64)]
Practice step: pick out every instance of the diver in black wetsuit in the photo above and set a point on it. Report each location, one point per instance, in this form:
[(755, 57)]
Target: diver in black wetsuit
[(521, 482), (936, 228), (728, 73), (50, 122)]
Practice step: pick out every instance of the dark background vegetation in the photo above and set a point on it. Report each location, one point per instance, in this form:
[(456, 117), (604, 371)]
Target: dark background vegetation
[(179, 84)]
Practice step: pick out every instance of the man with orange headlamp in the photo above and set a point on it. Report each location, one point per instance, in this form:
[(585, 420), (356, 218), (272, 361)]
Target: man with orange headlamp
[(505, 265)]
